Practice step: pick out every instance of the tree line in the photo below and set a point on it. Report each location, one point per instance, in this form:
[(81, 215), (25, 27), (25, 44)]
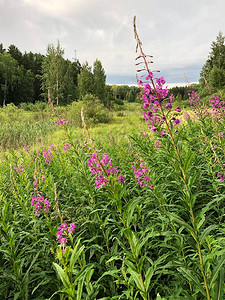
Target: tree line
[(31, 77)]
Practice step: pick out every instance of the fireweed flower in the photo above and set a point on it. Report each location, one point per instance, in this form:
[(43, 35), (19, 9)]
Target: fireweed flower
[(221, 134), (142, 175), (39, 202), (157, 144), (62, 233), (52, 146), (218, 107), (102, 168), (20, 169), (220, 176), (66, 146), (62, 122), (47, 155), (26, 147), (152, 101), (186, 116), (197, 104)]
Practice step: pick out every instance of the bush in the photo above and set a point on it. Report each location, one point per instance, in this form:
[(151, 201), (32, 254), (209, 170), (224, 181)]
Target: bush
[(38, 106), (94, 111)]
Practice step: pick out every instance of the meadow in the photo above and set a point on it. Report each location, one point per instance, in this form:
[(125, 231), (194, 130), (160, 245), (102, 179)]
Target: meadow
[(114, 211), (120, 204)]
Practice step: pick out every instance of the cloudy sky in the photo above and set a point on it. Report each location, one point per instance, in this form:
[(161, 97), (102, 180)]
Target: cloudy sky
[(178, 33)]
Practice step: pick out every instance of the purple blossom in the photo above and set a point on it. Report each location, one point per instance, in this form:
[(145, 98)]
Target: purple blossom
[(152, 97), (63, 232), (20, 169), (220, 176), (39, 202), (186, 116), (66, 146), (218, 107), (62, 122), (157, 144), (102, 168), (121, 178), (177, 121), (47, 154), (142, 175), (26, 147)]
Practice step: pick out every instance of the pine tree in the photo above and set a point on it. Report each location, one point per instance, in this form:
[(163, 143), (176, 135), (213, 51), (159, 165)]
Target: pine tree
[(99, 81), (214, 69)]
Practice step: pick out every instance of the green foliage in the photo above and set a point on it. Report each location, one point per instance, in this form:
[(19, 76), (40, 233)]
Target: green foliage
[(131, 242), (10, 73), (213, 71), (99, 81), (85, 81)]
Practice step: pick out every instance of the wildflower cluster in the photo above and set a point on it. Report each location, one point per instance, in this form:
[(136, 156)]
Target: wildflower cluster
[(102, 168), (220, 176), (63, 232), (197, 104), (142, 175), (20, 169), (35, 182), (62, 122), (47, 154), (153, 98), (26, 147), (66, 146), (218, 107), (39, 202)]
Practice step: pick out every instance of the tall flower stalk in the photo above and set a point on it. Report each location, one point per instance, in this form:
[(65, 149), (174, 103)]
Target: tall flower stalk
[(153, 95)]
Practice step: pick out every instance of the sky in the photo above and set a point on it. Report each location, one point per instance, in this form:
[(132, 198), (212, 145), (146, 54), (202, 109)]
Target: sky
[(178, 33)]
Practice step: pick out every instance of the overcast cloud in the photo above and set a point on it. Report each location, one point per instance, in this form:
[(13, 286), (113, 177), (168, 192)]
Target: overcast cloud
[(178, 33)]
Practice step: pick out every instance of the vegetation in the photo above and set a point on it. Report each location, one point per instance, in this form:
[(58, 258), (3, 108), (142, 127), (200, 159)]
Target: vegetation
[(123, 210)]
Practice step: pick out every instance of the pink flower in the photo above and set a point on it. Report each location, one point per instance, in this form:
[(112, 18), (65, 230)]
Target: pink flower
[(102, 168), (142, 175), (39, 202), (121, 178), (62, 122), (63, 232), (157, 144), (220, 176), (177, 109), (177, 121)]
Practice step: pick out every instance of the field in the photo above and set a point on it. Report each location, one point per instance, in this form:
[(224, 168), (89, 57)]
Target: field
[(113, 210)]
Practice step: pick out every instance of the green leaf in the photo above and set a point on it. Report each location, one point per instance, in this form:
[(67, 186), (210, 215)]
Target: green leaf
[(148, 277), (188, 161), (136, 277), (216, 271), (80, 287), (193, 279), (183, 223), (68, 292), (206, 232), (75, 255), (218, 289), (62, 275)]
